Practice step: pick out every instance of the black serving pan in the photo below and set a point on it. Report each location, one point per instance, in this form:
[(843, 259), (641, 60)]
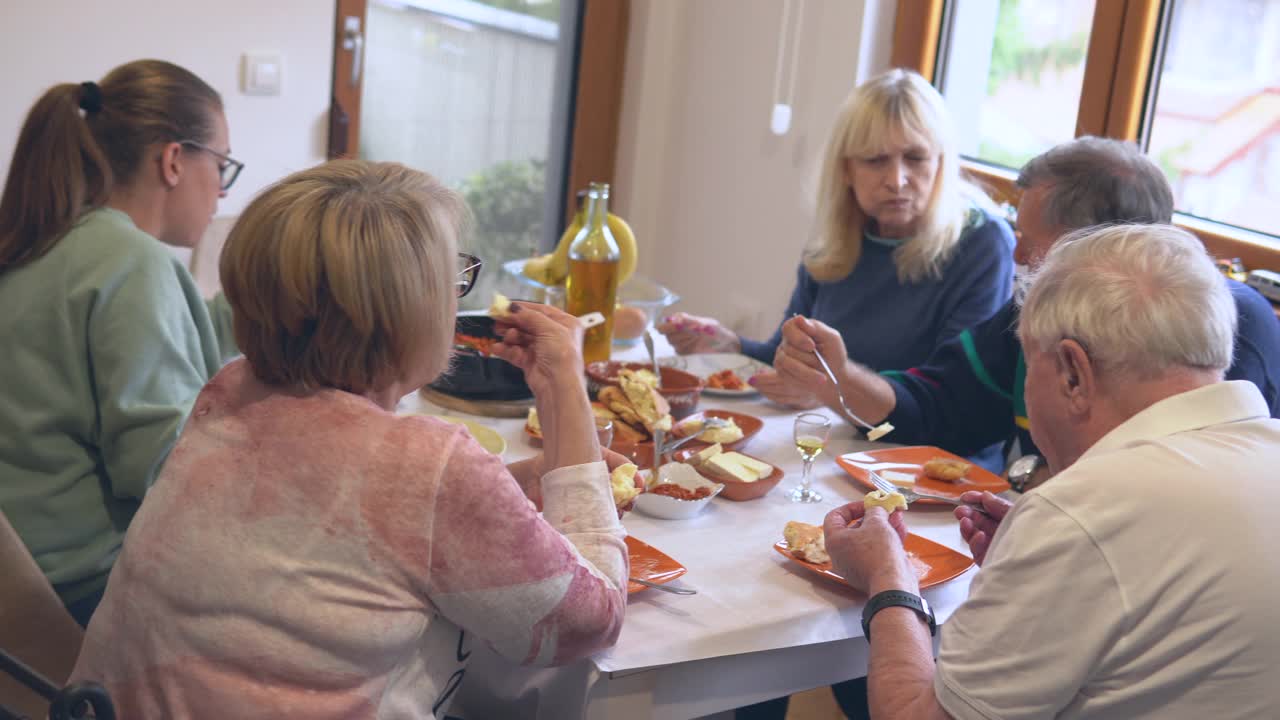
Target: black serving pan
[(474, 377)]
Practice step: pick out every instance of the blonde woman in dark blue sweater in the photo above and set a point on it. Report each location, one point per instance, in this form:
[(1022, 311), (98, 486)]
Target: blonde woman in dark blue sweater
[(906, 252)]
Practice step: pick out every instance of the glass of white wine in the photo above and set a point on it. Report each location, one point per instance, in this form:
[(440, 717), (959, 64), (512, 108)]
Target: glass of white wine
[(811, 433)]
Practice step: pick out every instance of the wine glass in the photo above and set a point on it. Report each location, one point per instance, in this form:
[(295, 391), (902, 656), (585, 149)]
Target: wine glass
[(811, 433), (604, 431)]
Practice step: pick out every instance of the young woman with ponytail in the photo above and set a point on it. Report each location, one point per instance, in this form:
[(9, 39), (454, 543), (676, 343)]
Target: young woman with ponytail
[(104, 338)]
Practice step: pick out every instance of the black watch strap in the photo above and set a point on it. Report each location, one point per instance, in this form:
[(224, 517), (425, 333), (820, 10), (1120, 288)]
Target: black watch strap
[(897, 598)]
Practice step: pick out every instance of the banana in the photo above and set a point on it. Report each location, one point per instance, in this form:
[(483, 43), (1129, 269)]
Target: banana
[(539, 269), (626, 247), (560, 258), (553, 268)]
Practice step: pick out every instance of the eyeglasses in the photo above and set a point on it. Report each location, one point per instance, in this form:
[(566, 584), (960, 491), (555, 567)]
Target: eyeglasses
[(468, 270), (228, 167)]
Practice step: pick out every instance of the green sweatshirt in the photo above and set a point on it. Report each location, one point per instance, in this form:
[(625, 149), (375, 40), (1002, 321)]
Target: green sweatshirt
[(104, 344)]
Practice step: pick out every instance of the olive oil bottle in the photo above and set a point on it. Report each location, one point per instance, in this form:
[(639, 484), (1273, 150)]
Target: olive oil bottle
[(592, 285)]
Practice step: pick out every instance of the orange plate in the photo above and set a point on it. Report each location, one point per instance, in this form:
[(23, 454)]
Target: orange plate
[(913, 458), (735, 489), (650, 563), (934, 563)]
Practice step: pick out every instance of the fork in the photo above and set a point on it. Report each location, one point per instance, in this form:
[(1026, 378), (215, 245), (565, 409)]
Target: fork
[(664, 588), (839, 394), (913, 495), (708, 422)]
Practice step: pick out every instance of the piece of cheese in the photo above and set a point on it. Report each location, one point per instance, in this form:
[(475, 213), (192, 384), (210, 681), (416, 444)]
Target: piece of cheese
[(500, 307), (622, 483), (735, 466), (879, 431), (901, 479), (881, 499), (705, 454), (761, 469), (727, 467), (533, 423), (688, 426), (723, 434)]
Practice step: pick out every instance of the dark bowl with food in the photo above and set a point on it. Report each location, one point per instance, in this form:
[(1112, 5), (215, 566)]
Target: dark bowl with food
[(476, 375)]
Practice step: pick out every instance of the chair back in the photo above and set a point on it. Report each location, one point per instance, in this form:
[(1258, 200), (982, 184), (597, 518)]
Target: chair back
[(35, 628)]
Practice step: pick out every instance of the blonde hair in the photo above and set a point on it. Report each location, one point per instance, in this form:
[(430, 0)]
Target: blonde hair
[(897, 100), (343, 276), (1141, 299)]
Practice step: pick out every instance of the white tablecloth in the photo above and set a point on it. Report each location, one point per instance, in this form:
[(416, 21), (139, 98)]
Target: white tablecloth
[(759, 627)]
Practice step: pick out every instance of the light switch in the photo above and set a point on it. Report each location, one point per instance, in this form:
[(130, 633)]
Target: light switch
[(261, 74)]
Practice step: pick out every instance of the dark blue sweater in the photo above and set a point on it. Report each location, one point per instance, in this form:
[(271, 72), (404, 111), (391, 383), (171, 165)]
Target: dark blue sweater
[(887, 324), (969, 394)]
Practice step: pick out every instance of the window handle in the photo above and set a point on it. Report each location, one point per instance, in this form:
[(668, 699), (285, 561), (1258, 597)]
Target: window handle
[(353, 40)]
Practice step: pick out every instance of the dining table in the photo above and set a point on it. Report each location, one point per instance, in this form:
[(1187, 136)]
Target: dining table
[(759, 626)]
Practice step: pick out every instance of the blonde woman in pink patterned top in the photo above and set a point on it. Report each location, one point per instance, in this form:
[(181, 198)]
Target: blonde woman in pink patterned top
[(307, 553)]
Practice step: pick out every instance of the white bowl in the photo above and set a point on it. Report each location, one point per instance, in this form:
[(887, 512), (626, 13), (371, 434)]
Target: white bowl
[(669, 508)]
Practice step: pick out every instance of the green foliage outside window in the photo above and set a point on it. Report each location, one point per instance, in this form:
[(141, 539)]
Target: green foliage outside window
[(1013, 56), (506, 202)]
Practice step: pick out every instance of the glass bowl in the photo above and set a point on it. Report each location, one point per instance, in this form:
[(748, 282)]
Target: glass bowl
[(649, 298), (638, 292)]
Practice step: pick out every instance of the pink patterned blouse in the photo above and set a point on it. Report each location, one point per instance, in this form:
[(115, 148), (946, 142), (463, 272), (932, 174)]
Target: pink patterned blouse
[(316, 556)]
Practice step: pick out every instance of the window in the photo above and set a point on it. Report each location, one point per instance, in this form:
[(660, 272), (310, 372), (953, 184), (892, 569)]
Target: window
[(1216, 127), (1195, 82), (1012, 73), (478, 94)]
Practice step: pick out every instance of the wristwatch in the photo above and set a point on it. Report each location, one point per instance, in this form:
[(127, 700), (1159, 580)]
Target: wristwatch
[(1023, 470), (897, 598)]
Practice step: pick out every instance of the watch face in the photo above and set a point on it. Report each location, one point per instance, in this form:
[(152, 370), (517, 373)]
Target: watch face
[(1024, 465), (1022, 470)]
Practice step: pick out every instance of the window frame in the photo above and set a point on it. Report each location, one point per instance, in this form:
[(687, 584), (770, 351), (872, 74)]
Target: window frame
[(1125, 50)]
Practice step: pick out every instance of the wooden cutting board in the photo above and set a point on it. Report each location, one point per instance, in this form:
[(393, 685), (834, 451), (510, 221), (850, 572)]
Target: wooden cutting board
[(484, 408)]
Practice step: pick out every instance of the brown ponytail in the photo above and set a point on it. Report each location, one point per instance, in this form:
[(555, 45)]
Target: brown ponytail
[(66, 163)]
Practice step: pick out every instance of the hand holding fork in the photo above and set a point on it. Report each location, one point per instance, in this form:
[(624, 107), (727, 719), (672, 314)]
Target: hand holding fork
[(798, 333)]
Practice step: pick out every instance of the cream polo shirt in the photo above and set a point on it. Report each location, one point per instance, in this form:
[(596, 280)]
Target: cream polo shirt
[(1140, 582)]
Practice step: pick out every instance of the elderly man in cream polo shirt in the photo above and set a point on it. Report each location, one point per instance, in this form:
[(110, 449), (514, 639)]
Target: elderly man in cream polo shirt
[(1139, 582)]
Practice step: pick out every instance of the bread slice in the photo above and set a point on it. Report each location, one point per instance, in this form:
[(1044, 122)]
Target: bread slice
[(946, 469), (882, 499), (622, 483), (806, 542), (648, 403), (500, 307), (625, 434)]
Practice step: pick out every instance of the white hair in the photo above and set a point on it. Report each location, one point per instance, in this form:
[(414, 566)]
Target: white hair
[(1141, 299), (903, 101)]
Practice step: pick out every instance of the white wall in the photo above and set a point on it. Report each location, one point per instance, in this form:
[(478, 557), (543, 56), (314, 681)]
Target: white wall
[(52, 41), (704, 183)]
